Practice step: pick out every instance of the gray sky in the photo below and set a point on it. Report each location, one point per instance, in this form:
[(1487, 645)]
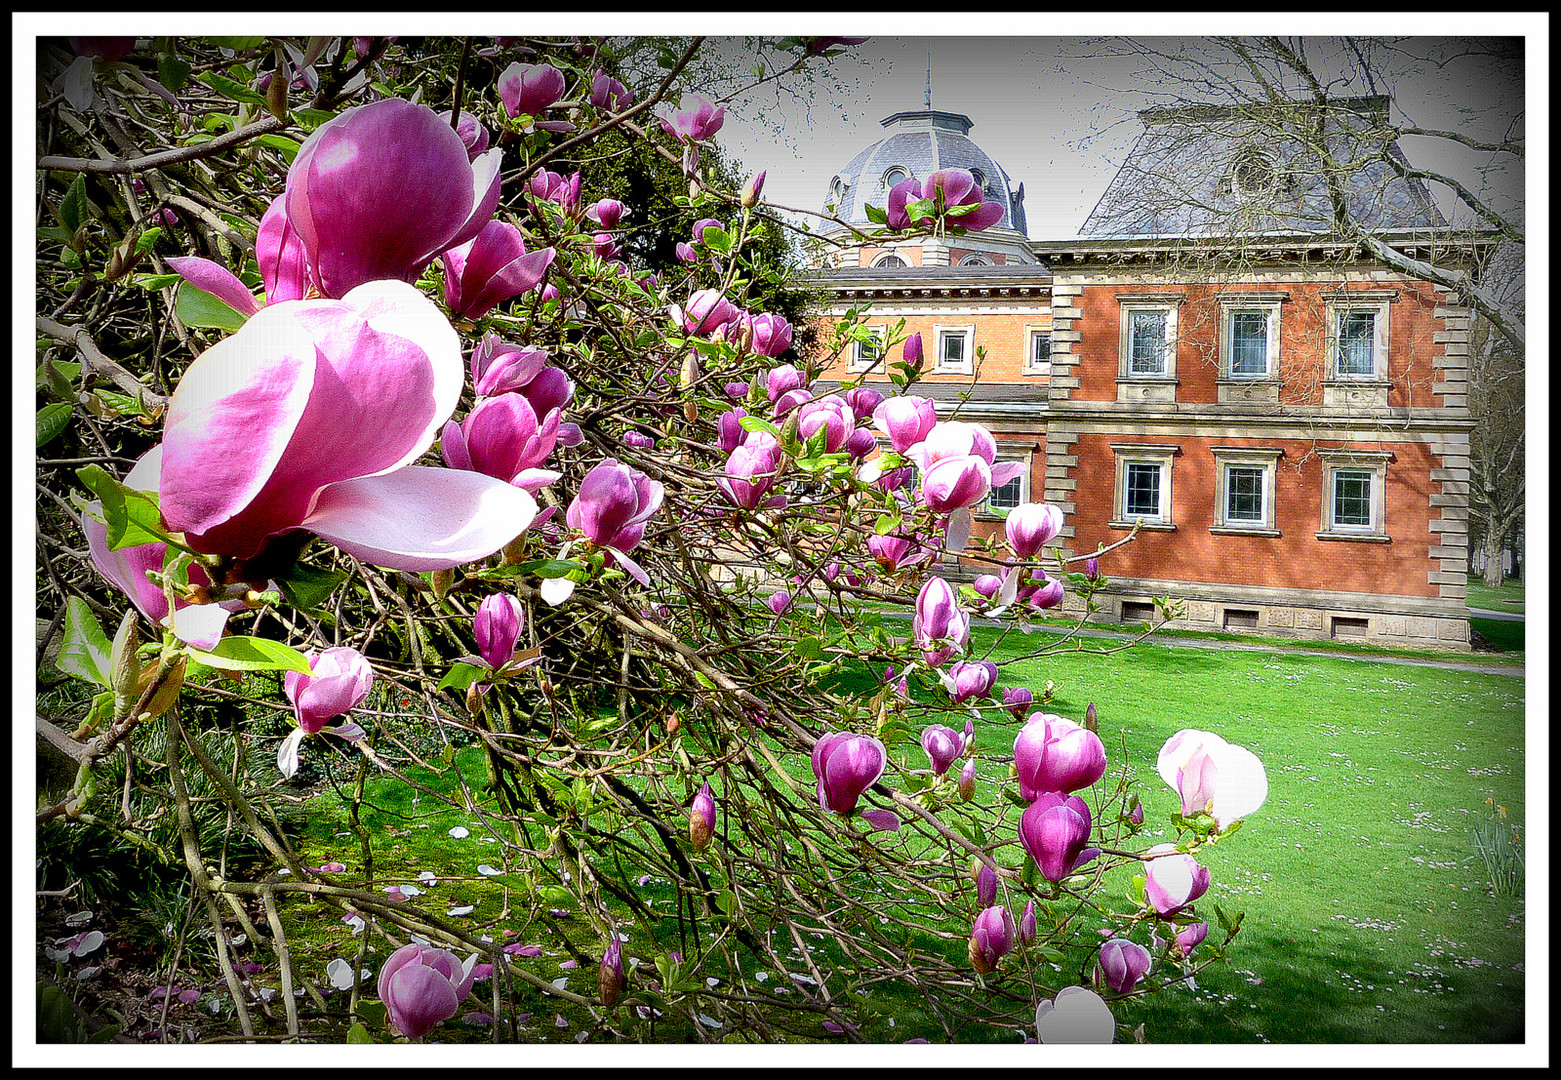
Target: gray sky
[(1059, 114)]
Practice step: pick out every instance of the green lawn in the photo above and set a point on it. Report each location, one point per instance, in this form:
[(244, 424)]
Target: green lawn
[(1367, 916), (1508, 598)]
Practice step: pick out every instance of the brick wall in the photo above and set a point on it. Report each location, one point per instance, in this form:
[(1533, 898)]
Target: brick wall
[(1005, 337)]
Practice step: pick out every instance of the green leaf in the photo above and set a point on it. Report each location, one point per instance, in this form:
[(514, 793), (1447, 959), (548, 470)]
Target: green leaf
[(225, 86), (754, 423), (309, 119), (726, 901), (197, 307), (155, 281), (132, 517), (306, 587), (461, 676), (372, 1013), (718, 239), (252, 654), (52, 419), (809, 648), (281, 143), (55, 378), (148, 240), (85, 648), (549, 568), (876, 215), (556, 895), (103, 1034), (172, 72), (74, 211), (57, 233), (359, 1034)]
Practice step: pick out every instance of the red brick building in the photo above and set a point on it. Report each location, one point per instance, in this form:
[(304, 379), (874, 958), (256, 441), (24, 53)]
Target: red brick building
[(1284, 419)]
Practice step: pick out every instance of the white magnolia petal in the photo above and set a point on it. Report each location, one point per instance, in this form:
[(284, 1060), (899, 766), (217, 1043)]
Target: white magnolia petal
[(555, 591), (200, 625), (287, 753), (420, 518), (959, 530), (1009, 590), (1005, 471), (339, 972), (1179, 749), (1242, 786)]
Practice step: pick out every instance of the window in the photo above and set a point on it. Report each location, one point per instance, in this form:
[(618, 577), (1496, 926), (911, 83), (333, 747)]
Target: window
[(896, 175), (1249, 347), (1143, 490), (1354, 490), (1244, 489), (865, 354), (956, 348), (975, 260), (1352, 500), (1143, 485), (1007, 496), (1252, 174), (1358, 339), (1248, 344), (1038, 361), (889, 261), (1146, 342), (1146, 369), (1357, 331)]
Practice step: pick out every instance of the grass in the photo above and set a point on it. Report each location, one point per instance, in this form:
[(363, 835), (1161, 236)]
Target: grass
[(1508, 598), (1368, 916)]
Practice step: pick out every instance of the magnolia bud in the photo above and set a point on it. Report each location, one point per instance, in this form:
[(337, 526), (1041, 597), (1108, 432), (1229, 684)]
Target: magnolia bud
[(124, 666), (752, 189), (674, 722), (1092, 568), (441, 580), (701, 818), (609, 976), (167, 691), (967, 781), (1090, 723), (474, 698), (276, 93), (978, 959)]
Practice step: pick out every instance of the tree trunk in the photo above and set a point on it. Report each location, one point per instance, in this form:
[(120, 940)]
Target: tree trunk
[(1493, 560)]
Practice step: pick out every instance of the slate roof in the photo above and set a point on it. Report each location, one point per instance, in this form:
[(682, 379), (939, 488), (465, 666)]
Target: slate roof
[(1184, 174), (922, 142)]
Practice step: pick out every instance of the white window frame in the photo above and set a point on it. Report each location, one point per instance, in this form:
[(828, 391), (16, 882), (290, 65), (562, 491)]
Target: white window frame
[(1160, 457), (890, 171), (966, 365), (1232, 306), (1169, 304), (1032, 366), (1341, 306), (860, 362), (1374, 462), (976, 258), (882, 259), (986, 510), (1228, 457)]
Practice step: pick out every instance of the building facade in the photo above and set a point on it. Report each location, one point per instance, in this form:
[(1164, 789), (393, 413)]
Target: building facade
[(1281, 419)]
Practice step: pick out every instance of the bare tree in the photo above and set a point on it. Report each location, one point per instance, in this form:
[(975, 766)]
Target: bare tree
[(1317, 125), (1497, 487)]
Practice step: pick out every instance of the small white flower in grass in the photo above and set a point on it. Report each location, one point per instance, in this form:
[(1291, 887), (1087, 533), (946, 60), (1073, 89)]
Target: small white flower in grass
[(460, 832), (581, 1036), (356, 922), (487, 871), (561, 983), (427, 878), (411, 890), (761, 976)]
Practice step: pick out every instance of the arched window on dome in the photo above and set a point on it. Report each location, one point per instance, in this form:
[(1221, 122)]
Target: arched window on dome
[(981, 179), (896, 175), (887, 261), (975, 260), (837, 190)]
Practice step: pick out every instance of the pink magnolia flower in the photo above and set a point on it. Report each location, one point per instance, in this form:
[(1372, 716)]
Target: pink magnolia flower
[(308, 418), (609, 973), (422, 986), (1027, 924), (502, 438), (779, 602), (1213, 775), (563, 192), (614, 503), (498, 623), (863, 401), (1055, 754), (729, 429), (830, 414), (471, 131), (771, 334), (707, 311), (696, 119), (940, 627), (381, 189), (528, 89), (986, 883), (1054, 831), (991, 938), (338, 681), (846, 765), (893, 551), (499, 367), (609, 93), (987, 585), (1031, 526), (491, 268), (943, 746), (905, 192), (906, 420), (750, 470), (284, 271), (606, 212), (948, 188), (782, 379), (1172, 879), (913, 353), (1122, 965), (970, 679), (956, 463)]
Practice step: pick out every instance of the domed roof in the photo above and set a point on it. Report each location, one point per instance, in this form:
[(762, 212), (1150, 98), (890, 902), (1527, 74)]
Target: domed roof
[(920, 143)]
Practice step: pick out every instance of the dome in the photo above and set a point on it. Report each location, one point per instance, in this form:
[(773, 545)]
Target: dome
[(918, 144)]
